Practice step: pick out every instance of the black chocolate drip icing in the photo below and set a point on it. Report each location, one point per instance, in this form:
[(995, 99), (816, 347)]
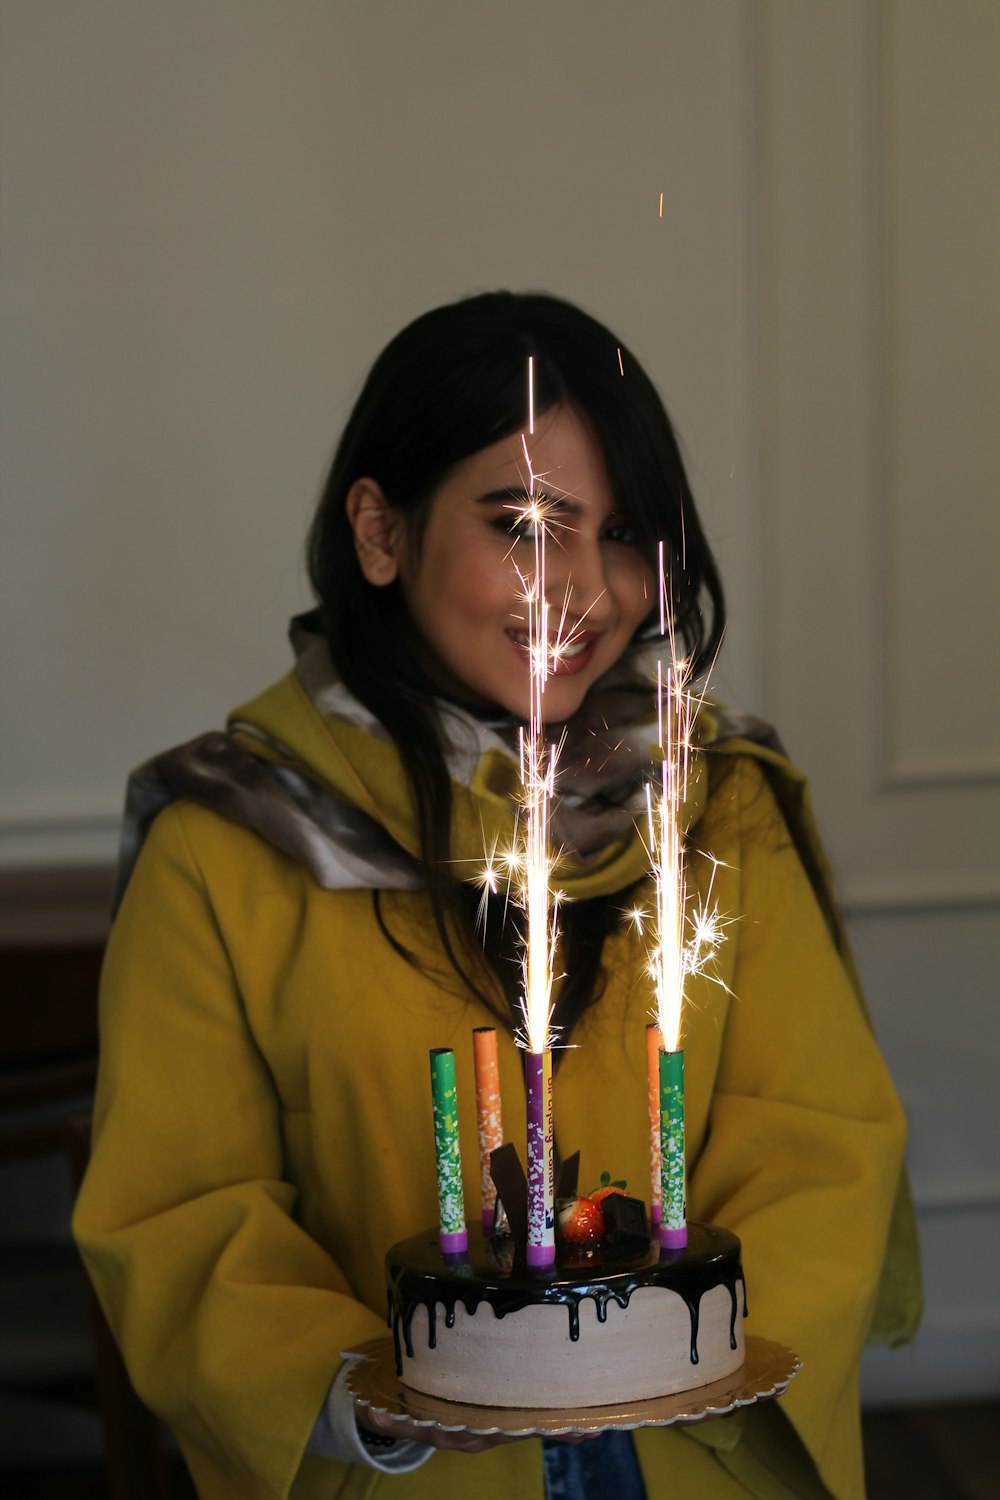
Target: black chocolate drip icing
[(419, 1276)]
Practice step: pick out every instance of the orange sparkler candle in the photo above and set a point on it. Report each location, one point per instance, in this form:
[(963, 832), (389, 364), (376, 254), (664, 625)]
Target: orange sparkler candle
[(484, 1045), (653, 1047)]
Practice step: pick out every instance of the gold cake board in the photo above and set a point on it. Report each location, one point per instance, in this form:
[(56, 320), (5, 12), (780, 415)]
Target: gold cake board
[(373, 1382)]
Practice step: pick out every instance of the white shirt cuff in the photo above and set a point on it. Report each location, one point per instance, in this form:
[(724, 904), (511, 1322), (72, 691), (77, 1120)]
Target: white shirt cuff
[(335, 1434)]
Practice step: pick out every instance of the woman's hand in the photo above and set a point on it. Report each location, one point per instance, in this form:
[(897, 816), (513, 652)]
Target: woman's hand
[(434, 1437)]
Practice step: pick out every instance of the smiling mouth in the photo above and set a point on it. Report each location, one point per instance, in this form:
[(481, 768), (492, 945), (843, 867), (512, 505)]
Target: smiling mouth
[(568, 657)]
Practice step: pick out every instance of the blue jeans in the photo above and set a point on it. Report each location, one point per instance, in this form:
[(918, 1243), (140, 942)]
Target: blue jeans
[(603, 1466)]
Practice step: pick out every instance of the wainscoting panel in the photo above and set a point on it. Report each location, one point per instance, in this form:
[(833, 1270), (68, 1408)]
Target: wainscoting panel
[(879, 337)]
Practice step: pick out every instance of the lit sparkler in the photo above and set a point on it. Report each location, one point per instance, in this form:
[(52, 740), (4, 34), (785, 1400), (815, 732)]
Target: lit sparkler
[(527, 866), (683, 945), (538, 768)]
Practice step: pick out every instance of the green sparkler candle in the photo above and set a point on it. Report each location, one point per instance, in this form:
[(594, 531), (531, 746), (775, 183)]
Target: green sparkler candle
[(454, 1236), (673, 1231)]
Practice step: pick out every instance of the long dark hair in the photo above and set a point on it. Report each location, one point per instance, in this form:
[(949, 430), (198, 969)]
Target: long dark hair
[(450, 384)]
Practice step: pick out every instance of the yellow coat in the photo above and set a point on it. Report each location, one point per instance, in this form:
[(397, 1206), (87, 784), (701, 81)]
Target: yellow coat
[(263, 1132)]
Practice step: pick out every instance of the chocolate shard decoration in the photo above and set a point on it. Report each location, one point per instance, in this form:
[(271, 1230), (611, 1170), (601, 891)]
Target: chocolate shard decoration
[(512, 1190), (501, 1224), (625, 1225), (569, 1176)]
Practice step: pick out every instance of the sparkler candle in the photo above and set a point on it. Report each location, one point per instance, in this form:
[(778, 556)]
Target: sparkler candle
[(484, 1046), (653, 1054), (673, 1229), (541, 1165), (670, 960), (674, 956), (538, 777), (454, 1237)]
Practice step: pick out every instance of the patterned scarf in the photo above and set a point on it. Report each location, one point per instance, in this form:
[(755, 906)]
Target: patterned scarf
[(252, 779)]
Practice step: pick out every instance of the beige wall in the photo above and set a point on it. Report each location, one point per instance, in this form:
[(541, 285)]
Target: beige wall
[(215, 216), (215, 212), (878, 305)]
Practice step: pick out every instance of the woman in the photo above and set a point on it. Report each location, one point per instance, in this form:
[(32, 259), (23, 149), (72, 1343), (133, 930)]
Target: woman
[(300, 928)]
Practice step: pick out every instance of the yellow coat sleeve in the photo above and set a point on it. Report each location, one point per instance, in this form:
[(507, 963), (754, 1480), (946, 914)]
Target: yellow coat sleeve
[(231, 1319), (803, 1148)]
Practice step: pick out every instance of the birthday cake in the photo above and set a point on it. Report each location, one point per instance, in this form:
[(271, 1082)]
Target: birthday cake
[(624, 1322)]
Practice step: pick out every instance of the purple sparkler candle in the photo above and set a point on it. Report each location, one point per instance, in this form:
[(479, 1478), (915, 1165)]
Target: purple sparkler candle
[(541, 1164)]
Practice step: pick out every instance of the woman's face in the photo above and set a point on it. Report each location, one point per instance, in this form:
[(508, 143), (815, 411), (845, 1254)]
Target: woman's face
[(463, 581)]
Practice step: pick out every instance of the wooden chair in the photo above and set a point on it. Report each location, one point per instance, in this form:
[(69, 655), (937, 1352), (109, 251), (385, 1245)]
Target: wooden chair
[(44, 1110)]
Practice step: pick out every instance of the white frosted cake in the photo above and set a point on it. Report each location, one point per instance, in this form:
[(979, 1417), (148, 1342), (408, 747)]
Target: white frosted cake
[(619, 1328)]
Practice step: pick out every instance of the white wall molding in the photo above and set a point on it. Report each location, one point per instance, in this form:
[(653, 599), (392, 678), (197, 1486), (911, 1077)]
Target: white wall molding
[(924, 893), (956, 1353), (49, 824), (922, 774), (933, 337), (875, 512), (951, 1359), (57, 843), (976, 1194)]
